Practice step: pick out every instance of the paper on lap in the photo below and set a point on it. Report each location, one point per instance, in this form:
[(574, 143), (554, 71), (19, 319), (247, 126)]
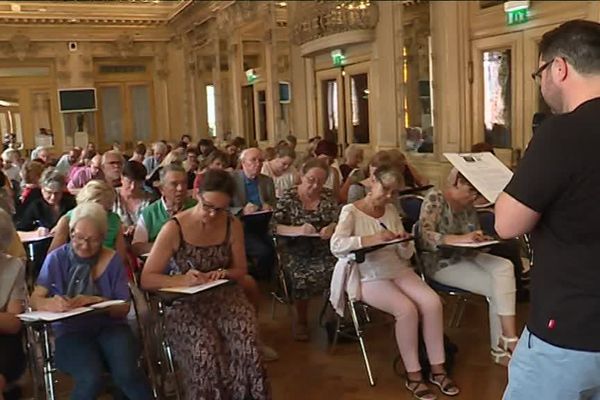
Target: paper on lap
[(195, 289), (32, 236), (52, 316)]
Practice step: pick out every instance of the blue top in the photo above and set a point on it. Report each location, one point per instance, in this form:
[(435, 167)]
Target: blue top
[(112, 285), (252, 192)]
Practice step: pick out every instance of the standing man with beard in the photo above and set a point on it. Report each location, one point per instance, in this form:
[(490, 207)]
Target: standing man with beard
[(554, 195)]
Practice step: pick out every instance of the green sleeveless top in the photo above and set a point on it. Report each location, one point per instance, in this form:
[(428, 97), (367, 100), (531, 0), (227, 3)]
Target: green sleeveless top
[(156, 215), (114, 224)]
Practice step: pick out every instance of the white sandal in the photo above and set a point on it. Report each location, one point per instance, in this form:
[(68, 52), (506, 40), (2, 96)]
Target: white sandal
[(505, 341), (499, 356)]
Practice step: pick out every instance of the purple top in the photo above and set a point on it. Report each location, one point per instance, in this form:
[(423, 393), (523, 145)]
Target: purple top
[(112, 285)]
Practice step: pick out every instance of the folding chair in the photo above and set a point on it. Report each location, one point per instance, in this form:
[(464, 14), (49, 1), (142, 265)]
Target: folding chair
[(156, 347), (149, 356), (411, 205), (359, 314), (40, 352), (487, 219), (281, 293)]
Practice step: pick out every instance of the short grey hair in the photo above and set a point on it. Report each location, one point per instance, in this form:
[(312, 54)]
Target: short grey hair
[(245, 152), (170, 168), (35, 152), (159, 146), (352, 150), (110, 153), (90, 211), (52, 179), (7, 231)]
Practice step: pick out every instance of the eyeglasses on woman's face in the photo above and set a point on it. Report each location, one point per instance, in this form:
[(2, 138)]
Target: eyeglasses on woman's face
[(210, 208), (80, 239)]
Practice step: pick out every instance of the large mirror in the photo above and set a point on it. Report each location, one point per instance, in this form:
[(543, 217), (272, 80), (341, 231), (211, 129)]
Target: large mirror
[(417, 77)]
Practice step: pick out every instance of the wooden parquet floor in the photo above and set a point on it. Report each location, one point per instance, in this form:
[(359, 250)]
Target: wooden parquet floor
[(309, 371)]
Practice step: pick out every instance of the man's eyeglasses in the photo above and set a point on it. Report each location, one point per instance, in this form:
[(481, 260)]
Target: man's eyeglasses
[(537, 75), (209, 208)]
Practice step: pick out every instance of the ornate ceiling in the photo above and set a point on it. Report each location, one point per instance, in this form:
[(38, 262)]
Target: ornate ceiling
[(74, 12)]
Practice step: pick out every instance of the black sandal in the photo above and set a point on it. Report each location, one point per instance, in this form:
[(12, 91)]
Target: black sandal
[(423, 394), (446, 385)]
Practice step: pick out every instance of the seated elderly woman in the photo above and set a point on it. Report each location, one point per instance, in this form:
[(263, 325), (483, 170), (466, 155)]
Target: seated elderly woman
[(353, 157), (309, 209), (447, 218), (214, 334), (44, 212), (359, 188), (388, 283), (12, 297), (131, 197), (80, 273), (102, 193), (281, 170)]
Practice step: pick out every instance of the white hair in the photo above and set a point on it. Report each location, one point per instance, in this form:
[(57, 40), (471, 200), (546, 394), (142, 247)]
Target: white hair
[(160, 146), (90, 211), (109, 153), (245, 152), (35, 152), (352, 150)]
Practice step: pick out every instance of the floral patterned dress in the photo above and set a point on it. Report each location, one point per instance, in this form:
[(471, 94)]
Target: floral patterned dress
[(307, 260), (214, 334)]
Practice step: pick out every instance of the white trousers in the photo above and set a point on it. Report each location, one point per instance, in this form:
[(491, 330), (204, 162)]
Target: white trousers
[(489, 276)]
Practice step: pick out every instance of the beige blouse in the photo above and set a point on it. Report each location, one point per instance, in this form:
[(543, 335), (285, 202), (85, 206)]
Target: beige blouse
[(389, 262), (283, 181), (12, 280)]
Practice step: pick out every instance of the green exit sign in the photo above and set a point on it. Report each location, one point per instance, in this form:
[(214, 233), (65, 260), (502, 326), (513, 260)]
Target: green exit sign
[(517, 16)]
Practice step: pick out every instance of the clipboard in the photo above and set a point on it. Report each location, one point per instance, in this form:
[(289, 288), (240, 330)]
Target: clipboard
[(472, 246), (360, 254), (258, 221)]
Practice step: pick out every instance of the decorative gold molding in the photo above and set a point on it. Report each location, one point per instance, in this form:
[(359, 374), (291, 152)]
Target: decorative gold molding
[(145, 13), (325, 18)]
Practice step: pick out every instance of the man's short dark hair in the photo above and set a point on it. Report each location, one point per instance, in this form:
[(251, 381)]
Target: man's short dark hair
[(578, 42), (134, 170)]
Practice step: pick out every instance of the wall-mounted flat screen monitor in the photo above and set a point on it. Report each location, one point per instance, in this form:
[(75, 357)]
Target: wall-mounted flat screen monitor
[(77, 100), (285, 92)]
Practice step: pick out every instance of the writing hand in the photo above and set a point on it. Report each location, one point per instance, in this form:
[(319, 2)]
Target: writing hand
[(215, 275), (385, 236), (82, 300), (250, 208), (474, 237), (307, 229), (41, 231), (193, 277), (57, 304)]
